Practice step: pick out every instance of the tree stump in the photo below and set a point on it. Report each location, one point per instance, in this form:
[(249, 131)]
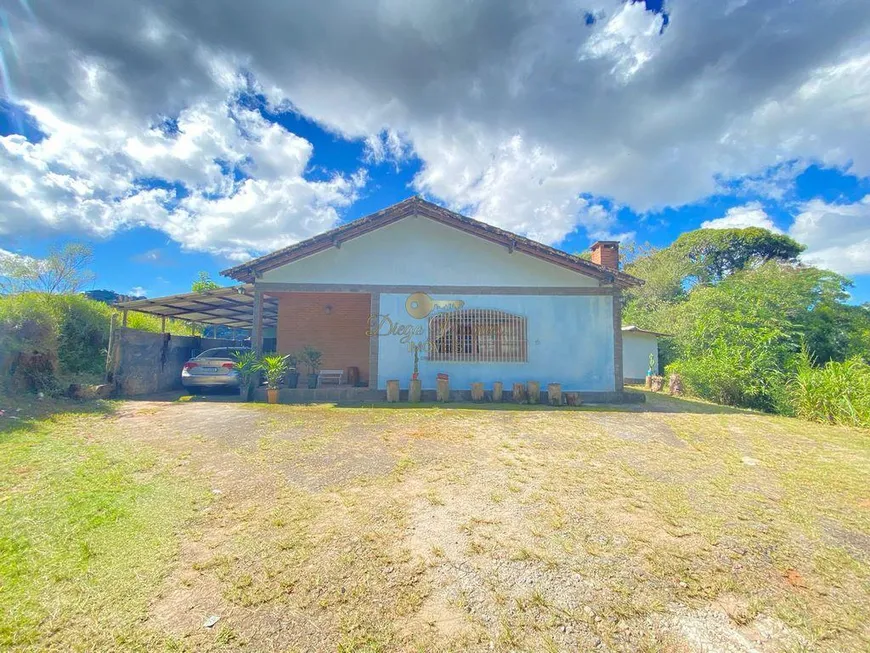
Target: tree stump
[(573, 398), (675, 385), (519, 393), (534, 392), (657, 383), (554, 394), (497, 390), (393, 391), (442, 390), (476, 392), (415, 391)]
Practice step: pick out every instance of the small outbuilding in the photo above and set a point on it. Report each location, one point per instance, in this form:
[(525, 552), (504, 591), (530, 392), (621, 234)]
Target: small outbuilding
[(638, 345)]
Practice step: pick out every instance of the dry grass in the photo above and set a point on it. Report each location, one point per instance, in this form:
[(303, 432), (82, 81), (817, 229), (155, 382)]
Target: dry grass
[(673, 527)]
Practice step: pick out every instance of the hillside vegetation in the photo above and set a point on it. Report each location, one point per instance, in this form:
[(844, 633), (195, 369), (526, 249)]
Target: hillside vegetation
[(753, 327), (68, 332)]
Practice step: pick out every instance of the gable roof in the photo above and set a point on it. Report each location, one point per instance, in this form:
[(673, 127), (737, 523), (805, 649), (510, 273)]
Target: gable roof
[(248, 272)]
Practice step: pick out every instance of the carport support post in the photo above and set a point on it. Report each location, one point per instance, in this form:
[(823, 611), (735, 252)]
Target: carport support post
[(257, 325), (162, 324), (124, 318)]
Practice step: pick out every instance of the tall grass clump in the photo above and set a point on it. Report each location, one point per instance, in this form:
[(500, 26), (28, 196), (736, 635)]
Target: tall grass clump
[(838, 392)]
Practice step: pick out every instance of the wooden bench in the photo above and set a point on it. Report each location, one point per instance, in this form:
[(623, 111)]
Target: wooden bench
[(331, 376)]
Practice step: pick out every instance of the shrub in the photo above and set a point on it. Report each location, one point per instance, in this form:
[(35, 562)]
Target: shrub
[(838, 392), (27, 323), (734, 374), (69, 331), (83, 333)]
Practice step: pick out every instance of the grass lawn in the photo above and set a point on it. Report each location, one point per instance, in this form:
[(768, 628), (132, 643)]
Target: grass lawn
[(675, 526)]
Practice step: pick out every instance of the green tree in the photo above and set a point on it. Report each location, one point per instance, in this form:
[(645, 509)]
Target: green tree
[(736, 341), (63, 271), (740, 309), (204, 283), (716, 253)]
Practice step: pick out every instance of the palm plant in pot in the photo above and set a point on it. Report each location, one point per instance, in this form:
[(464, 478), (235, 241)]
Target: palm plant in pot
[(274, 367), (312, 357), (248, 368)]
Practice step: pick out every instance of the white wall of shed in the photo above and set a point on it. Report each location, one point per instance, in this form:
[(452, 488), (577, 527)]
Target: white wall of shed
[(636, 350)]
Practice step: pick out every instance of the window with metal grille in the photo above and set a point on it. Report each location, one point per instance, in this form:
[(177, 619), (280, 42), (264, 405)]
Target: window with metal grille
[(477, 336)]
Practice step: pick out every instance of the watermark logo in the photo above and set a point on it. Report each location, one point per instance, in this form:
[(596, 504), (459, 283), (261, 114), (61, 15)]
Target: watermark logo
[(420, 305)]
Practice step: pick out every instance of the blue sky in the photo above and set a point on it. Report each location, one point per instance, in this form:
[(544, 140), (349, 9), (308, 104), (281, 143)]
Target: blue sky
[(195, 143)]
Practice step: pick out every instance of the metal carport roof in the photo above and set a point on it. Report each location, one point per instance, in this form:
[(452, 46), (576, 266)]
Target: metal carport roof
[(232, 307)]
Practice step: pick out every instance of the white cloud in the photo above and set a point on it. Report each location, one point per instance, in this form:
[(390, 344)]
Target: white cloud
[(517, 109), (837, 236), (138, 291), (629, 38), (5, 254), (83, 178), (739, 217)]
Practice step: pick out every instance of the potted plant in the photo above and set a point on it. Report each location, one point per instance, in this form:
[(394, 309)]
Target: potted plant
[(248, 366), (292, 376), (415, 390), (274, 367), (311, 357)]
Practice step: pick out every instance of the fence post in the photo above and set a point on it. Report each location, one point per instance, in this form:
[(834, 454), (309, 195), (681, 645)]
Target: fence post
[(109, 349)]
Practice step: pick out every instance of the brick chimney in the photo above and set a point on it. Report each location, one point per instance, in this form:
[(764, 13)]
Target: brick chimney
[(606, 253)]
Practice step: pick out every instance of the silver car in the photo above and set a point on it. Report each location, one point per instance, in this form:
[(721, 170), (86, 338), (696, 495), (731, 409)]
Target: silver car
[(213, 368)]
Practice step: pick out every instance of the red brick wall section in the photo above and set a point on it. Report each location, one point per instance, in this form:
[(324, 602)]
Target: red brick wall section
[(606, 253), (334, 323)]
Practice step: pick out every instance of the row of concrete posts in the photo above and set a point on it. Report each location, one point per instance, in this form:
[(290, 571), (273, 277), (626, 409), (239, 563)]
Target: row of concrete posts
[(521, 393)]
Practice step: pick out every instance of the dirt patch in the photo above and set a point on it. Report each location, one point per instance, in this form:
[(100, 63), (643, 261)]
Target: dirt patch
[(637, 428), (711, 629), (452, 529)]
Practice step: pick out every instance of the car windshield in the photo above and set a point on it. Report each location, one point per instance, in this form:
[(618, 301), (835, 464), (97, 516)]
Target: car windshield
[(222, 352)]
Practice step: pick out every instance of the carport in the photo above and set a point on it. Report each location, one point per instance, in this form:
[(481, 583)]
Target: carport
[(147, 362), (234, 307)]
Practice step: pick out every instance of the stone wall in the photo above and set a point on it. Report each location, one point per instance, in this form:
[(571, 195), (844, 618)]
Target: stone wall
[(144, 362)]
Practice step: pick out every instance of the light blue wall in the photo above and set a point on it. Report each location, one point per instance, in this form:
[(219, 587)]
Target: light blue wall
[(420, 251), (570, 340)]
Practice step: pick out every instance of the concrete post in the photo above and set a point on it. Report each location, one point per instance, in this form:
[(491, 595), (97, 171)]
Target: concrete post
[(554, 393), (415, 391), (442, 390), (257, 326)]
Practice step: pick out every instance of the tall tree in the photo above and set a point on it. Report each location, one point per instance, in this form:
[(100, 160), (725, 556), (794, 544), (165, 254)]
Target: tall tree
[(700, 257), (63, 271), (204, 283), (716, 253)]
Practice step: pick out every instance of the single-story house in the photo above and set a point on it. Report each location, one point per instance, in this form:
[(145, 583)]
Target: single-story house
[(637, 347), (475, 302)]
